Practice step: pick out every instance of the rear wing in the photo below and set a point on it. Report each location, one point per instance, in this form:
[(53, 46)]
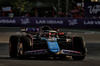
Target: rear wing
[(30, 30)]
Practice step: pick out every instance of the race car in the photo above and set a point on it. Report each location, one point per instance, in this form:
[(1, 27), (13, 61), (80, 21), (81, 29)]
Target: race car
[(46, 42)]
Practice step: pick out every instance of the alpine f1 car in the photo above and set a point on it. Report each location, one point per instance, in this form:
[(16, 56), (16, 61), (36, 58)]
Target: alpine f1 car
[(46, 42)]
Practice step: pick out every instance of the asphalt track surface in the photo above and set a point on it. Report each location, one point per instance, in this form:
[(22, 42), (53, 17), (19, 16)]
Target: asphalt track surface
[(92, 58)]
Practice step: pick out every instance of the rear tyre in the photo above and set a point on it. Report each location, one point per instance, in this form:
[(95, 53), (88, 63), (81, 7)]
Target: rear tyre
[(79, 45), (13, 46)]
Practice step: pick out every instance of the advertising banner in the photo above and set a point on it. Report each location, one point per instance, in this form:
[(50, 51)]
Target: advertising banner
[(52, 22), (91, 9), (6, 8)]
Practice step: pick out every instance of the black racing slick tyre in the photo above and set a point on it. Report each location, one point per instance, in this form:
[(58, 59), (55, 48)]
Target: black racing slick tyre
[(13, 46), (26, 42), (79, 45)]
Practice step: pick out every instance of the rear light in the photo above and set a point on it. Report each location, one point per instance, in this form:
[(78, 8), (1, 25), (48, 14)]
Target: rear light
[(61, 33)]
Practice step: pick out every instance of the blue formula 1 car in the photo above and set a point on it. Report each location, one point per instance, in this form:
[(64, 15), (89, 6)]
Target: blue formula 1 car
[(46, 42)]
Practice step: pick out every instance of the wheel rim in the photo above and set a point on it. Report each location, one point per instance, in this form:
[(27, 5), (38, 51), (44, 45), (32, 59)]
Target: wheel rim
[(20, 49)]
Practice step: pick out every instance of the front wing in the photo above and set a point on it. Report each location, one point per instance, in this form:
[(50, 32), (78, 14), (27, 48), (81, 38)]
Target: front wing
[(61, 52)]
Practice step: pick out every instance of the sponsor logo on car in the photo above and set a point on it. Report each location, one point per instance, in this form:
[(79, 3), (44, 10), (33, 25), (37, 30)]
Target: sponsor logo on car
[(42, 51), (70, 52)]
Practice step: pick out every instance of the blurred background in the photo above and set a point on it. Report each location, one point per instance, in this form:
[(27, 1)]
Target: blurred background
[(43, 8)]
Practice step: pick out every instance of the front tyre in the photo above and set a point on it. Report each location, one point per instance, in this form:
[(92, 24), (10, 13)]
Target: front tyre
[(24, 46), (13, 46), (79, 45)]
